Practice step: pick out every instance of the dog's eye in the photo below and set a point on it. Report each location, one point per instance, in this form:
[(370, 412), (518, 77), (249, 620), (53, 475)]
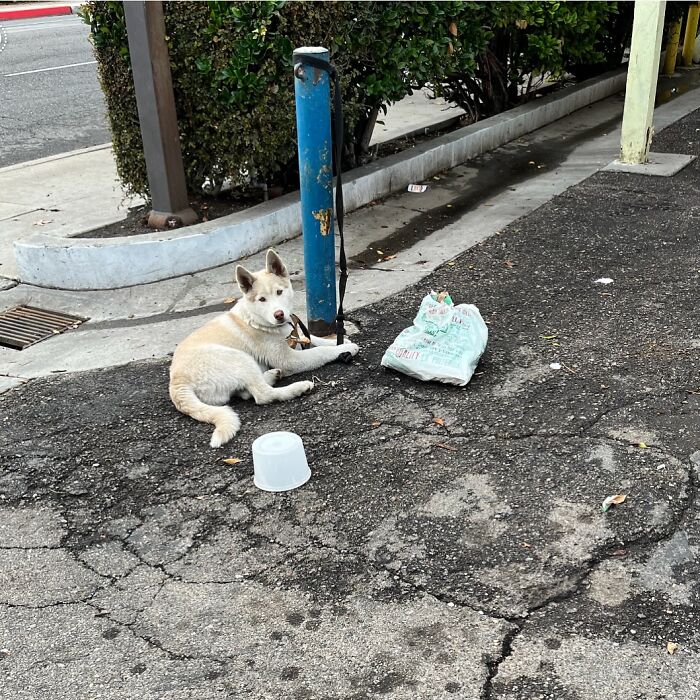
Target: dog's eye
[(279, 291), (262, 299)]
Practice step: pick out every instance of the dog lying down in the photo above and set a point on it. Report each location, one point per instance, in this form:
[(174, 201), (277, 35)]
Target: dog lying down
[(244, 352)]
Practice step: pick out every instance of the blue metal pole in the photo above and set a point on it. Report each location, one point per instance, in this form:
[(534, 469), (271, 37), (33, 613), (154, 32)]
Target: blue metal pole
[(313, 107)]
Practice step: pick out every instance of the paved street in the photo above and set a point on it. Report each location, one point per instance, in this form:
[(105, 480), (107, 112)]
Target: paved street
[(51, 99)]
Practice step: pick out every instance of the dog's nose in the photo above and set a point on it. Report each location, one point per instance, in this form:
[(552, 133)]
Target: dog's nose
[(279, 315)]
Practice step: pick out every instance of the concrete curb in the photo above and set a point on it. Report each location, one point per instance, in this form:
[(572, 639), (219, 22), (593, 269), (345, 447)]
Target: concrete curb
[(95, 263), (57, 156), (34, 12)]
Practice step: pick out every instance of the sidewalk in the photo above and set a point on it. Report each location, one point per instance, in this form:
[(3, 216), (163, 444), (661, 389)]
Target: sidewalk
[(450, 541), (60, 195)]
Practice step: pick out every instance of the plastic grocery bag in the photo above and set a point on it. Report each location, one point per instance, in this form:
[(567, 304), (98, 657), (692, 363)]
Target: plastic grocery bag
[(444, 343)]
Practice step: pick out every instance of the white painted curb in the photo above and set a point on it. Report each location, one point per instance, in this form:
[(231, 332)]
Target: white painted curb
[(94, 263)]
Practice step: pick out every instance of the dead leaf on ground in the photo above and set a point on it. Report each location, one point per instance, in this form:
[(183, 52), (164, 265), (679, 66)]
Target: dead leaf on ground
[(232, 460), (439, 421), (42, 222), (229, 300), (671, 647), (615, 500), (643, 446), (376, 423), (509, 264)]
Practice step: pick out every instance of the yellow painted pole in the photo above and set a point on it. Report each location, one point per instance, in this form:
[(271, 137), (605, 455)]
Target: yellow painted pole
[(691, 30), (674, 39), (642, 75)]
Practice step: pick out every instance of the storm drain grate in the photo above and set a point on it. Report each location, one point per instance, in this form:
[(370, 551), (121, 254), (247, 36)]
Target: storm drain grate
[(25, 325)]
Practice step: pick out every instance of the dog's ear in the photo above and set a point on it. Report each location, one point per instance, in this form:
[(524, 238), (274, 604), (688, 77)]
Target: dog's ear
[(245, 279), (274, 264)]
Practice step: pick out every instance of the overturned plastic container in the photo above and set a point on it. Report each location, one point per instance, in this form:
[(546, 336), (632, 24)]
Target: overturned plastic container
[(279, 462)]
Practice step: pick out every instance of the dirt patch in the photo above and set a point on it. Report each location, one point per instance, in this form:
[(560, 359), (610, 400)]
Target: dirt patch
[(207, 208)]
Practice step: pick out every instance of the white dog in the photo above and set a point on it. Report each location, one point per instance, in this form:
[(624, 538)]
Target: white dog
[(245, 352)]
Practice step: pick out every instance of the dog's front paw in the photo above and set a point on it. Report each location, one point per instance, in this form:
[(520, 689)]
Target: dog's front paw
[(352, 348), (306, 387)]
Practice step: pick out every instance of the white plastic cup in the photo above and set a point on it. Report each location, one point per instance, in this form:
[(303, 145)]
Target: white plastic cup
[(279, 462)]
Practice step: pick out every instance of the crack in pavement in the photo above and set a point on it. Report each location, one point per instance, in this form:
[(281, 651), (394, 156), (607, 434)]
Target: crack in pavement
[(152, 641)]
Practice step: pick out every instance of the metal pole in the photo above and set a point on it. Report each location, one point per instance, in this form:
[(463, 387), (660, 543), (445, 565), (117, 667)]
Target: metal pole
[(691, 30), (150, 66), (674, 38), (313, 108), (642, 76)]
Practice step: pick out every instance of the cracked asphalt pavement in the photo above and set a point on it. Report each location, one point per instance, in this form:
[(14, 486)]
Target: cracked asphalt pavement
[(468, 559)]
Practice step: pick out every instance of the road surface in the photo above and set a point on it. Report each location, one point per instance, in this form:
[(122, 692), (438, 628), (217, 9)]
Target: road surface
[(50, 99)]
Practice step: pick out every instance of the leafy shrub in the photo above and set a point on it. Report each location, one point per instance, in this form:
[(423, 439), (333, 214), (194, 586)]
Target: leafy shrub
[(233, 80), (525, 42)]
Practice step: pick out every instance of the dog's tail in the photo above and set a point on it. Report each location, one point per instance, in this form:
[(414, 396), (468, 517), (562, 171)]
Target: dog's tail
[(224, 418)]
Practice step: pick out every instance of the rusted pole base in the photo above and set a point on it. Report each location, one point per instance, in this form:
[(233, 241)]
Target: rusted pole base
[(321, 328), (170, 220)]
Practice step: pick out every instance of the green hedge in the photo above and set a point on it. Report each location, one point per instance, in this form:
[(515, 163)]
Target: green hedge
[(232, 72), (526, 41)]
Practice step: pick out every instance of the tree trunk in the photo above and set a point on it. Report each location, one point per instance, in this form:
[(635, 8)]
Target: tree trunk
[(367, 131)]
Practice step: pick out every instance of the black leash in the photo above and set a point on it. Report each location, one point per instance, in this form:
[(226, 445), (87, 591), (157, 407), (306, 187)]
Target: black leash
[(326, 66)]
